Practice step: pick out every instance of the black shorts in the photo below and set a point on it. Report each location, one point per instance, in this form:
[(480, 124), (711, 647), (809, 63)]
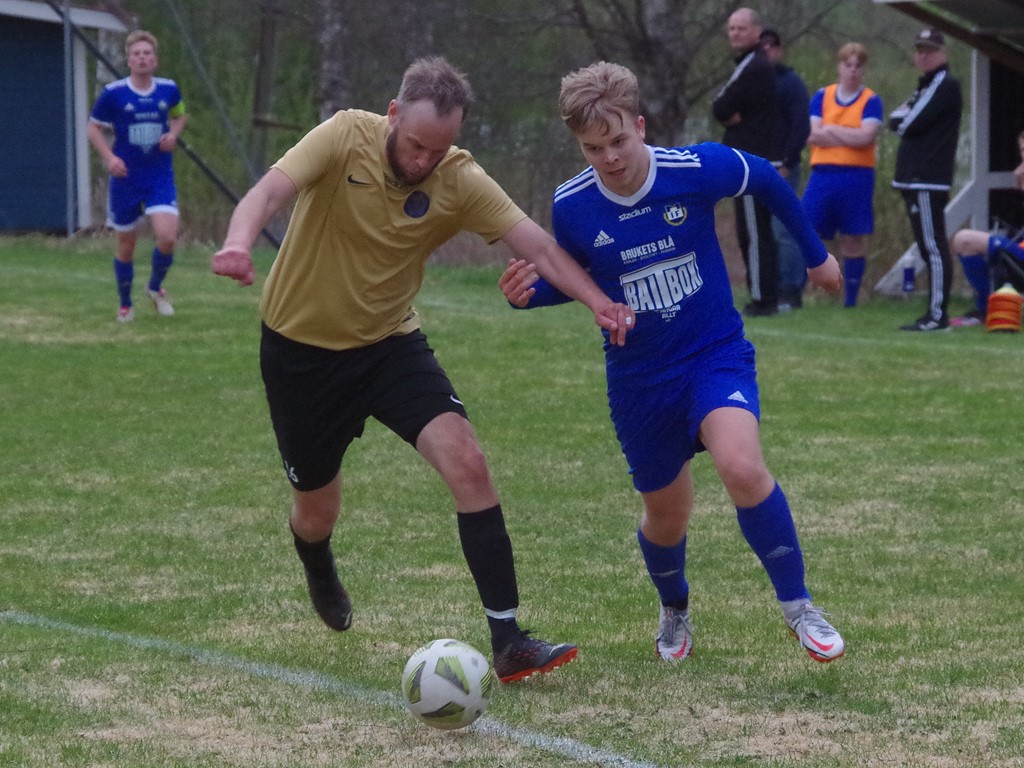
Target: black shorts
[(320, 399)]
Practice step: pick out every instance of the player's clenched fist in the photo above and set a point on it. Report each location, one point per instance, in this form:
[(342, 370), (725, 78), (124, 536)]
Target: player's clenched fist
[(234, 263)]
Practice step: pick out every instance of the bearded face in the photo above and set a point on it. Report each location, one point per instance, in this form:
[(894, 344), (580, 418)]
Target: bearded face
[(418, 139)]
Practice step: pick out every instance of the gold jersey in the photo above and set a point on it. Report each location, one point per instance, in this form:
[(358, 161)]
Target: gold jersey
[(358, 242)]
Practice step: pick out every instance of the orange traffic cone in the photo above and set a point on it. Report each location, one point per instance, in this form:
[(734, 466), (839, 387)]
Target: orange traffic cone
[(1005, 307)]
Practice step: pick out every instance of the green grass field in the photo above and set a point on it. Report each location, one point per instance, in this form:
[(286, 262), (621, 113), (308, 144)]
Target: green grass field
[(153, 613)]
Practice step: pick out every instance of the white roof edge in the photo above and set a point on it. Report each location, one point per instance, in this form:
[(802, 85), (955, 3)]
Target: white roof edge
[(82, 17)]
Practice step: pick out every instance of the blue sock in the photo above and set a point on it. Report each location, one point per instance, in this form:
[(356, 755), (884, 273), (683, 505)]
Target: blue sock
[(853, 273), (667, 569), (161, 263), (124, 273), (976, 272), (770, 532)]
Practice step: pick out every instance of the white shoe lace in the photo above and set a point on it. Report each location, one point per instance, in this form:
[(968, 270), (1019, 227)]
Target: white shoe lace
[(675, 626), (811, 618)]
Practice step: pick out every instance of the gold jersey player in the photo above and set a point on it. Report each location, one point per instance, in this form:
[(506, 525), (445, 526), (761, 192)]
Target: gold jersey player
[(375, 195)]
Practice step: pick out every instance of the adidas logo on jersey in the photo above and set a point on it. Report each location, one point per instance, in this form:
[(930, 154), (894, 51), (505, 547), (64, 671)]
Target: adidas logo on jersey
[(603, 239), (738, 397)]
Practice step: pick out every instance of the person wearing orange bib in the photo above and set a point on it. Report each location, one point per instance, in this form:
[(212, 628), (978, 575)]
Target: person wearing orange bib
[(845, 120)]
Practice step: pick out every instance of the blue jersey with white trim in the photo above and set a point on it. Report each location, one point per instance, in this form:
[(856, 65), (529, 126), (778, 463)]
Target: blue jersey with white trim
[(658, 251), (138, 120)]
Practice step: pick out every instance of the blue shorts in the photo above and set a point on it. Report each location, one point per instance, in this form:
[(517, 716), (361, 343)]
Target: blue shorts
[(995, 242), (838, 199), (658, 426), (128, 199)]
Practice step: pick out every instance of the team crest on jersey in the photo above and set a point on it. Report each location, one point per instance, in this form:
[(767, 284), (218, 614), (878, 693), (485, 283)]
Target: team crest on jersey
[(674, 214), (417, 204)]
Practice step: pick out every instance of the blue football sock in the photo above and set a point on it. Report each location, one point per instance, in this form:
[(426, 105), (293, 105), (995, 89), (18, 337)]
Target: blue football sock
[(667, 569), (976, 272), (124, 274), (770, 532), (161, 263), (853, 273)]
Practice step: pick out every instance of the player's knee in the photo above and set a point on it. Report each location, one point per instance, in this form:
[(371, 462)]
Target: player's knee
[(314, 519), (968, 242), (958, 242), (744, 477), (470, 463)]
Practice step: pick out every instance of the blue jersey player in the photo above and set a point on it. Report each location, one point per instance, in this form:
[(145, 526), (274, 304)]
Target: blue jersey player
[(146, 115), (641, 220)]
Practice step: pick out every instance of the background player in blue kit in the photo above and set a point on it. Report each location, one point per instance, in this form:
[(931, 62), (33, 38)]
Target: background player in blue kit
[(146, 115), (641, 220)]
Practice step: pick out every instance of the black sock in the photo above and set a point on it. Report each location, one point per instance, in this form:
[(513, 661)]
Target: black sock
[(316, 556), (488, 552), (503, 632)]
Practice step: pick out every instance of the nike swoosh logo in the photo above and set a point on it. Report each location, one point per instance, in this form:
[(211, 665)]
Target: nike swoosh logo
[(821, 645), (681, 652), (456, 400), (357, 182)]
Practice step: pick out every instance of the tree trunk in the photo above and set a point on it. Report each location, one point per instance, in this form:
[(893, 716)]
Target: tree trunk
[(333, 86)]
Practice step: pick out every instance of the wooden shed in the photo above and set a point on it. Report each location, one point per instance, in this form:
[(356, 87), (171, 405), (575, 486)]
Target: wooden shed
[(43, 86)]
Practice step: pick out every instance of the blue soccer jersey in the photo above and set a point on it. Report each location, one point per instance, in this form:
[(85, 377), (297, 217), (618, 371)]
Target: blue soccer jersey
[(138, 120), (658, 252)]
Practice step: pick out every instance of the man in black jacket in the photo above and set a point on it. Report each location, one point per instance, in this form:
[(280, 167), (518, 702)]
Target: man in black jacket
[(928, 124), (794, 114), (748, 107)]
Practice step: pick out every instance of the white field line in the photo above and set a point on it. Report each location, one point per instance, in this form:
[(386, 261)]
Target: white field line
[(310, 680)]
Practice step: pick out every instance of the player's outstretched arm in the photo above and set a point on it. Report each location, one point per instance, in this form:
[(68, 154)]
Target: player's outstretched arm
[(531, 243), (266, 198)]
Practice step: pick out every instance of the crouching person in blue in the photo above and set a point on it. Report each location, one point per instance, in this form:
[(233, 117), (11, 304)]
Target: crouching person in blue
[(641, 220), (988, 260)]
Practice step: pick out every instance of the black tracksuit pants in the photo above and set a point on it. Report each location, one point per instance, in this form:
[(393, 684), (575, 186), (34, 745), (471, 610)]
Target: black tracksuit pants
[(760, 251), (927, 211)]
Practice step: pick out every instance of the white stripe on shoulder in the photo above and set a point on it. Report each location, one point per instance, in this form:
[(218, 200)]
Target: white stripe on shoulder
[(676, 158), (746, 173), (922, 101), (575, 184)]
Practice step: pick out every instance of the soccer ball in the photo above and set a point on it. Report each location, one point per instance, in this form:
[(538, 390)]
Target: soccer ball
[(447, 684)]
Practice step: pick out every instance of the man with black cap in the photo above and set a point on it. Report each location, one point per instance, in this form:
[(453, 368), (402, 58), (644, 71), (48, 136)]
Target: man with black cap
[(928, 124)]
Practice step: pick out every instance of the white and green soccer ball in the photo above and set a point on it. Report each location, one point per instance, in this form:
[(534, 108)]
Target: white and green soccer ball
[(447, 684)]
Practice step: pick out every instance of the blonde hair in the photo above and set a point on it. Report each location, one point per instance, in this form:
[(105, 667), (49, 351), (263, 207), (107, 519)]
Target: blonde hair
[(853, 49), (140, 36), (593, 96)]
